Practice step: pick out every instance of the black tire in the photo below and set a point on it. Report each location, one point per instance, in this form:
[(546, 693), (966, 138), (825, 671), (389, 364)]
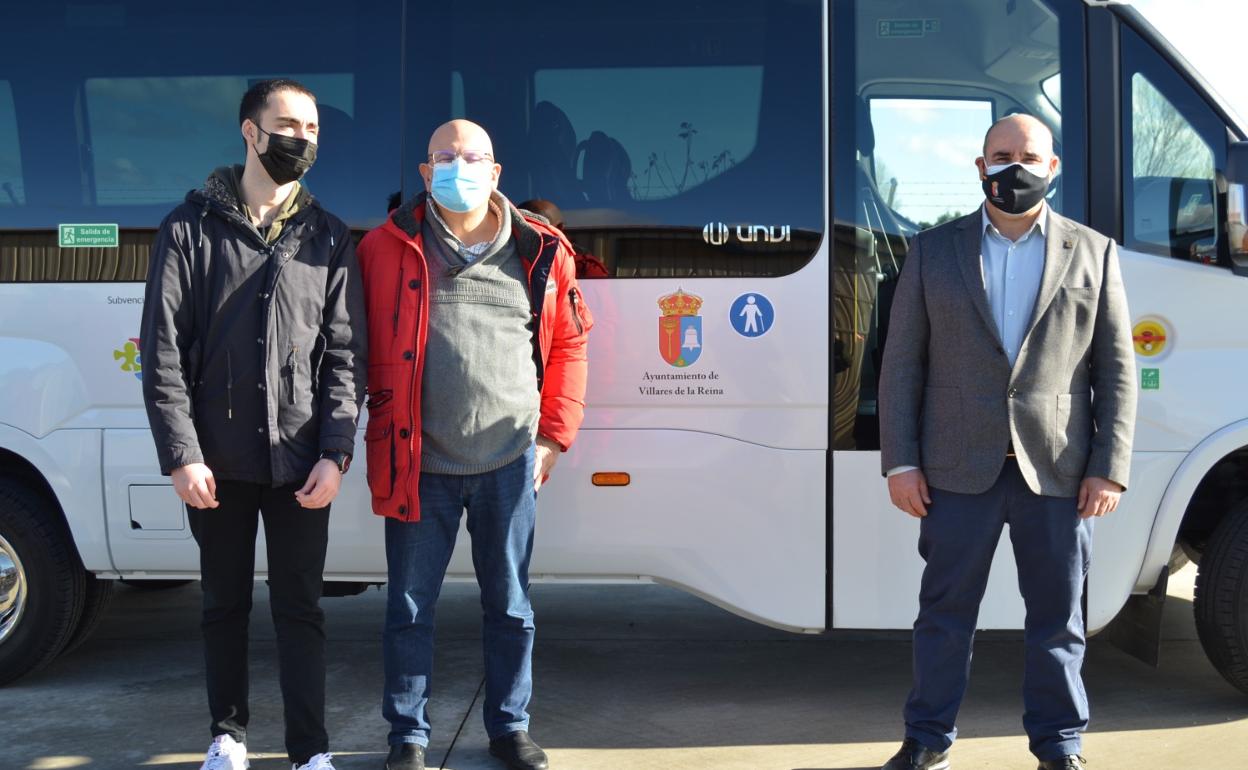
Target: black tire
[(154, 585), (1221, 604), (98, 592), (54, 582)]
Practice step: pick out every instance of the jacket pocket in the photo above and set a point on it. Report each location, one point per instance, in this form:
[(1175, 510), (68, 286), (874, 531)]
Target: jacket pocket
[(1079, 303), (379, 451), (579, 312), (1072, 434), (318, 356), (288, 373), (194, 366), (941, 432)]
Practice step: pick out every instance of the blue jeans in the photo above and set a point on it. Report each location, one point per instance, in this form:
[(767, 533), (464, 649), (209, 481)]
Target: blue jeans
[(1052, 548), (502, 509)]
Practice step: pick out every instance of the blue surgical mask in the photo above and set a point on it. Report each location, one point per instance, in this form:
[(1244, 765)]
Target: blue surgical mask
[(460, 186)]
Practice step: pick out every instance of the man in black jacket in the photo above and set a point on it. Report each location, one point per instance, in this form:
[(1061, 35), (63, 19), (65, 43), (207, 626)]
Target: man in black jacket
[(254, 353)]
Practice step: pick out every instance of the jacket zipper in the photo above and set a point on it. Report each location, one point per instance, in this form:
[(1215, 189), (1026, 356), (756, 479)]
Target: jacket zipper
[(229, 386), (290, 372), (576, 312)]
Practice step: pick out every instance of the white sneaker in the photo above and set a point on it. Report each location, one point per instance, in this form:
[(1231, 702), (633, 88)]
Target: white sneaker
[(225, 753), (319, 762)]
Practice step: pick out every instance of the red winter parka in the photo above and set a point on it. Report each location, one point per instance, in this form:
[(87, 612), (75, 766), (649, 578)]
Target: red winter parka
[(396, 297)]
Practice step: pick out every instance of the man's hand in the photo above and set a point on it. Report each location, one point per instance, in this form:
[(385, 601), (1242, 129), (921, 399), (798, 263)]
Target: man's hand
[(547, 453), (1098, 496), (908, 491), (195, 485), (322, 485)]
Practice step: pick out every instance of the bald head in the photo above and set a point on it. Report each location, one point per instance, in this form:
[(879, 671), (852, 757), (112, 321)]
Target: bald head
[(463, 156), (1019, 133), (460, 136)]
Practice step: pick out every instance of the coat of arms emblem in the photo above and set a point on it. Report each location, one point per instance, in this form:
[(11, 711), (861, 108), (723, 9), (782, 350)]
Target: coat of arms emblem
[(680, 328)]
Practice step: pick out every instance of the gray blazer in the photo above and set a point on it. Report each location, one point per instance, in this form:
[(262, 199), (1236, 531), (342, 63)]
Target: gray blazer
[(949, 401)]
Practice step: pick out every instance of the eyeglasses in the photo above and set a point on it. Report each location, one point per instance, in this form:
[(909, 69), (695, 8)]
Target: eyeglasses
[(447, 157)]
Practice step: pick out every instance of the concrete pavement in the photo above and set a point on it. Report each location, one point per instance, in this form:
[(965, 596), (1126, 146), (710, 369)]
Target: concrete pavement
[(626, 677)]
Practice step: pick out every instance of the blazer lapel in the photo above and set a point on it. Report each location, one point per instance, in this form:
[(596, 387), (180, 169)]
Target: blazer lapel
[(1059, 249), (970, 246)]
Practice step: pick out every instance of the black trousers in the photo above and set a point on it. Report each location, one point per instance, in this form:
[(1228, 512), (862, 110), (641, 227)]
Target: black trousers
[(297, 538)]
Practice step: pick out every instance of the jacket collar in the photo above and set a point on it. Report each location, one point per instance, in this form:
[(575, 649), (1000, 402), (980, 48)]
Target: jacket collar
[(970, 245), (1059, 250), (404, 223), (220, 196)]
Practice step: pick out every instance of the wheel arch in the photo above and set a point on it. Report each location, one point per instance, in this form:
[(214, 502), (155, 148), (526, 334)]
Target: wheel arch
[(34, 463), (1189, 510)]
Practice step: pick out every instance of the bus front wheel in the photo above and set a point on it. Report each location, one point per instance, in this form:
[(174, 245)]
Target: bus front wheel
[(42, 582), (1221, 603)]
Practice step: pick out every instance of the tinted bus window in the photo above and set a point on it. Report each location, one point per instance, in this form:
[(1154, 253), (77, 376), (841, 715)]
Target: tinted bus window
[(11, 190), (1173, 143), (137, 102), (679, 138)]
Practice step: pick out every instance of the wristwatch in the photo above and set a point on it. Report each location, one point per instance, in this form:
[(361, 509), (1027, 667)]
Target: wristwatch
[(341, 459)]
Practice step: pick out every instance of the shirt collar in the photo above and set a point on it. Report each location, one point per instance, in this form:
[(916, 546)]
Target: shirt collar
[(1042, 222)]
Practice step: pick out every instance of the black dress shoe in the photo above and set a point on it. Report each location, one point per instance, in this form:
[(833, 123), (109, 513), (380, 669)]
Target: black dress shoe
[(406, 756), (1068, 762), (519, 751), (915, 756)]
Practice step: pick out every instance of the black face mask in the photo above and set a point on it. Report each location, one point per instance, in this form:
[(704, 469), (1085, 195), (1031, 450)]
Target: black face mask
[(288, 158), (1014, 189)]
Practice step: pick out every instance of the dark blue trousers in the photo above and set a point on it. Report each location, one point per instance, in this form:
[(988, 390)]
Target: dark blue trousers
[(1052, 547), (502, 514)]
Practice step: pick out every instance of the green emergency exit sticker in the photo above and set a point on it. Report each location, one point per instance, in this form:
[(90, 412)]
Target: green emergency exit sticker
[(1150, 379), (906, 27), (88, 236)]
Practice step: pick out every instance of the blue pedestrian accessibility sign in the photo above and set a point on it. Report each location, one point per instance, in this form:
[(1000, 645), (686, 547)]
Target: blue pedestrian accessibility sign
[(752, 315)]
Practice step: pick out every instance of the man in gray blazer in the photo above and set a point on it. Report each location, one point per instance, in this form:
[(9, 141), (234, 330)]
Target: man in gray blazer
[(1007, 396)]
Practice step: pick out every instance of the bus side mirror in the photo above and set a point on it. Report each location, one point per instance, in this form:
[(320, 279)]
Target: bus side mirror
[(1236, 203)]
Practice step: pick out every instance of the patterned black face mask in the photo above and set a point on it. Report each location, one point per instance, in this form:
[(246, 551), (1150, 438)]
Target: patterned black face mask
[(288, 158), (1014, 189)]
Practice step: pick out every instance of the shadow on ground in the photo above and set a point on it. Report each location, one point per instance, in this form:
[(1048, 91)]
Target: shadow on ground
[(627, 676)]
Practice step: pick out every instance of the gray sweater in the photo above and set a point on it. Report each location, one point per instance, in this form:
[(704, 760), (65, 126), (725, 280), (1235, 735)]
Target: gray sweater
[(479, 397)]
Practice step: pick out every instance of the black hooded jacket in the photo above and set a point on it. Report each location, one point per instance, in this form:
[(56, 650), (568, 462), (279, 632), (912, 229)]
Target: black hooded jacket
[(253, 353)]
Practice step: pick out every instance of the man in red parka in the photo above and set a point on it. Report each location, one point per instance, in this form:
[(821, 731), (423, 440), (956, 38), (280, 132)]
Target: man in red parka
[(476, 385)]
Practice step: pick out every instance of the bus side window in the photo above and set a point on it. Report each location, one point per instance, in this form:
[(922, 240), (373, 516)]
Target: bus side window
[(12, 192), (1172, 144)]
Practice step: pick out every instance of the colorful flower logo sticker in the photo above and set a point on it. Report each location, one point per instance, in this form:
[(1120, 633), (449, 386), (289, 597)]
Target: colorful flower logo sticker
[(1150, 337), (680, 328), (130, 359)]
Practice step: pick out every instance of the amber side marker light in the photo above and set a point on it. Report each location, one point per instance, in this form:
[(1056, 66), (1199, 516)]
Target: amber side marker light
[(610, 479)]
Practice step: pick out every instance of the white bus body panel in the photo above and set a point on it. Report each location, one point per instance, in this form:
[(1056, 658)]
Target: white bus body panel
[(727, 494), (876, 565), (1199, 409)]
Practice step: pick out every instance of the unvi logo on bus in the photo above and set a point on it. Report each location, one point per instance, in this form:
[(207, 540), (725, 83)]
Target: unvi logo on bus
[(718, 233), (680, 328)]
